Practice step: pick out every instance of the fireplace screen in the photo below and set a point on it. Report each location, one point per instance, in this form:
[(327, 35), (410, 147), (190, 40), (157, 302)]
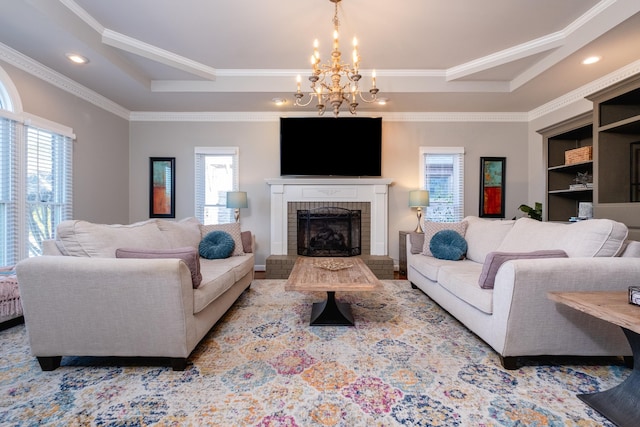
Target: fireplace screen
[(329, 231)]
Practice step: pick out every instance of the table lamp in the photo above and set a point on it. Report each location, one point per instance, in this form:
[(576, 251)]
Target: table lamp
[(419, 199), (237, 200)]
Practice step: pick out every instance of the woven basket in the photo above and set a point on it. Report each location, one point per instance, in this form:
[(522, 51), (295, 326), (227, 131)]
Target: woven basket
[(578, 155)]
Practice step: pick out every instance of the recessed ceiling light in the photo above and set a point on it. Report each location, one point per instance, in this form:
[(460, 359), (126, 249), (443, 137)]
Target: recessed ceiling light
[(383, 101), (279, 101), (77, 59), (591, 60)]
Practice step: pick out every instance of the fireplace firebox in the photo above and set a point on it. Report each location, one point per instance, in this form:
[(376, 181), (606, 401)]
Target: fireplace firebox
[(329, 231)]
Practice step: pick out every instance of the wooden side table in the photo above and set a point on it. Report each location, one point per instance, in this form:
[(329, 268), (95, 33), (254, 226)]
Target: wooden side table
[(620, 404)]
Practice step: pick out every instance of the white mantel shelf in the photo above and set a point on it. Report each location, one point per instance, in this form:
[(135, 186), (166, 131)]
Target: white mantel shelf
[(329, 181), (372, 190)]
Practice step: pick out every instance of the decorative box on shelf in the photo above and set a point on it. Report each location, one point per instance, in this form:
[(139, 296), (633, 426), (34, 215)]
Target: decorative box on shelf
[(582, 154), (634, 295)]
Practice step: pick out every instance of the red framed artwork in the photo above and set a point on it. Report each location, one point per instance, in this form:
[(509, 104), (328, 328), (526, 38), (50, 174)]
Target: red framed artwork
[(162, 191), (492, 186)]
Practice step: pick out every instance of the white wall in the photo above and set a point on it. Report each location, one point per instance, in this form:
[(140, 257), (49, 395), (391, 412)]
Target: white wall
[(259, 160)]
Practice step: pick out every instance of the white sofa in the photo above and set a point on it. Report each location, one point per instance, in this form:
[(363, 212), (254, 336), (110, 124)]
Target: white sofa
[(516, 318), (80, 300)]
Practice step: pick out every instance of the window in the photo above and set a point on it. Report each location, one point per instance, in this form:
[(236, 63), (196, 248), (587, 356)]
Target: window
[(216, 173), (48, 195), (35, 181), (442, 173)]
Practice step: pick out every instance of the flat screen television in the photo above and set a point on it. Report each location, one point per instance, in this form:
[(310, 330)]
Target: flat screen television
[(319, 146)]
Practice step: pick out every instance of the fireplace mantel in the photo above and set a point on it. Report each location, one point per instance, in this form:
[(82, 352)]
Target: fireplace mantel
[(372, 190)]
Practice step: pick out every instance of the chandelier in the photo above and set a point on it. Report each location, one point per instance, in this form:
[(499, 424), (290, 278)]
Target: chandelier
[(327, 85)]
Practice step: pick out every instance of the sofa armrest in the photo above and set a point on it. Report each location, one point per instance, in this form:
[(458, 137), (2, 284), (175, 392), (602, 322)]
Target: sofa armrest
[(107, 306), (521, 305)]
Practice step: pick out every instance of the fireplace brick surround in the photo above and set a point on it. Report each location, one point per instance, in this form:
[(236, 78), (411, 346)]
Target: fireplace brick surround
[(288, 195)]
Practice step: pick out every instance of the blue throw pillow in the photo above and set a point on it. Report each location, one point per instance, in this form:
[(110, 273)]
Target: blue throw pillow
[(216, 245), (448, 244)]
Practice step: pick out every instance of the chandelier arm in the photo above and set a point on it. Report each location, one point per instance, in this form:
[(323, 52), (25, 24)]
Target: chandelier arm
[(374, 97), (298, 101)]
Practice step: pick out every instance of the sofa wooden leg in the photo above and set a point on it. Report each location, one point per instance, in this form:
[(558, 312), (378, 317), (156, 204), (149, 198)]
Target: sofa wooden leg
[(628, 361), (179, 363), (510, 362), (413, 286), (49, 363)]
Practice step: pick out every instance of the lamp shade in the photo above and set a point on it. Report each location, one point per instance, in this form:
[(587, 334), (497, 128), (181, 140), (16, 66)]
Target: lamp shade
[(418, 198), (237, 199)]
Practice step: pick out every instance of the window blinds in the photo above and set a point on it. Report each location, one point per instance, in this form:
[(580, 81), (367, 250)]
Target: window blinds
[(48, 185), (443, 175), (216, 173), (8, 187)]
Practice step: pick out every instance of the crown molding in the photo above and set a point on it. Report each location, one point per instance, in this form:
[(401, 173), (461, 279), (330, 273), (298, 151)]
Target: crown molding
[(137, 47), (56, 79), (265, 116), (583, 92)]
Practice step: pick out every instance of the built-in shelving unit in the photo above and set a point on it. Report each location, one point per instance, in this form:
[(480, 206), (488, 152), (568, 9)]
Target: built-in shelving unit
[(562, 197), (617, 152)]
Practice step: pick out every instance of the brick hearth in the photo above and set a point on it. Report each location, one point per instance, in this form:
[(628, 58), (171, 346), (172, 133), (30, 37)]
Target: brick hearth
[(367, 195)]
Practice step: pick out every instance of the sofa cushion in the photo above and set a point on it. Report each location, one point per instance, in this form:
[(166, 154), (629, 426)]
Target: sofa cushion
[(217, 277), (179, 234), (461, 279), (495, 259), (631, 249), (427, 266), (591, 238), (188, 254), (431, 228), (232, 228), (86, 239), (448, 244), (216, 245), (484, 236)]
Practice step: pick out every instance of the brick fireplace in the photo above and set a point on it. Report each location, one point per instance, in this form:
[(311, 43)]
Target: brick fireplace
[(368, 195)]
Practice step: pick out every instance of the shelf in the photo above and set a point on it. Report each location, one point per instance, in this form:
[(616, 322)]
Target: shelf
[(568, 191), (629, 125), (572, 167)]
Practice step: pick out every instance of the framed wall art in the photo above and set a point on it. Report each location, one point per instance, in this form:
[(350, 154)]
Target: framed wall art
[(162, 189), (492, 186)]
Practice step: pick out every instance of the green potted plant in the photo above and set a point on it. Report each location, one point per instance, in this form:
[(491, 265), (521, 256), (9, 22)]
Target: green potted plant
[(533, 213)]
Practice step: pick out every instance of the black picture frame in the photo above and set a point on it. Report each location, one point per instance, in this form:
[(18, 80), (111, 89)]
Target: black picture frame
[(492, 187), (162, 187)]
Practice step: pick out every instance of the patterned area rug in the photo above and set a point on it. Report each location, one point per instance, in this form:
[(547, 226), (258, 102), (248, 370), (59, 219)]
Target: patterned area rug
[(406, 362)]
